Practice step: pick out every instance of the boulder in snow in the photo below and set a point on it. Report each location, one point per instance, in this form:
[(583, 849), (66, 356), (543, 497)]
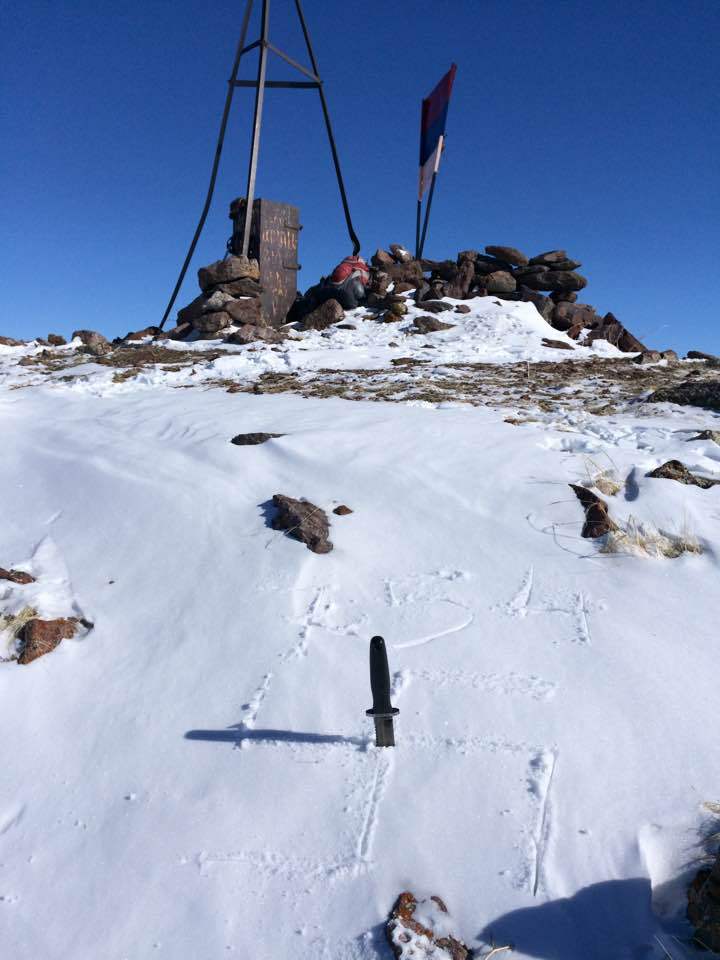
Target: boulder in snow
[(245, 310), (227, 270), (303, 521), (249, 333), (430, 325), (343, 510), (42, 636), (324, 316), (55, 340), (16, 576), (675, 470), (94, 342), (500, 282), (253, 439), (597, 519)]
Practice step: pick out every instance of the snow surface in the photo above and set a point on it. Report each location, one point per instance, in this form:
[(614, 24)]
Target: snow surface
[(196, 778)]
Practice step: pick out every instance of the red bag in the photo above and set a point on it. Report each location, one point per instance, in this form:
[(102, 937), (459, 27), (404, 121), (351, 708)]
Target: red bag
[(348, 267)]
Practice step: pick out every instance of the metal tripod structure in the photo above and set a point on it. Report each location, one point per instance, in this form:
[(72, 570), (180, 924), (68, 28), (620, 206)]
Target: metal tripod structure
[(263, 45)]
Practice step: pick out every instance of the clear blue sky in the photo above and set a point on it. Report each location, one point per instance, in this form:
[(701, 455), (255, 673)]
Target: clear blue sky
[(591, 126)]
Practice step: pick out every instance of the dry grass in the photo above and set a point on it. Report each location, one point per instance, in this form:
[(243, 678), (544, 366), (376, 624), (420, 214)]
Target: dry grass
[(10, 626), (643, 539)]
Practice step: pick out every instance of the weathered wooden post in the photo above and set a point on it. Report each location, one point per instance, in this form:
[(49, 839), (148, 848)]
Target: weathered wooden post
[(382, 711)]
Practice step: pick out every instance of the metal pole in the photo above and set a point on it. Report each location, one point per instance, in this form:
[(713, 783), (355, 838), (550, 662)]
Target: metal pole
[(216, 162), (417, 229), (427, 216), (257, 124), (351, 230)]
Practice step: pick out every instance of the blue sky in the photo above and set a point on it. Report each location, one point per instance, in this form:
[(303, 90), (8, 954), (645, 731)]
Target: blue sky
[(591, 126)]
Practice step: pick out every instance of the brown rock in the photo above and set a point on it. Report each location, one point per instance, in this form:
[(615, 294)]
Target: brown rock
[(597, 520), (343, 510), (462, 308), (549, 258), (486, 266), (16, 576), (410, 272), (210, 324), (55, 340), (554, 280), (609, 328), (381, 258), (509, 254), (442, 269), (245, 310), (675, 470), (670, 355), (146, 332), (713, 435), (705, 394), (410, 938), (459, 288), (543, 304), (699, 355), (179, 332), (430, 325), (471, 255), (324, 316), (303, 521), (402, 286), (95, 343), (400, 254), (227, 270), (42, 636), (560, 296), (557, 344), (245, 287), (436, 306), (566, 315), (500, 282), (11, 342), (253, 439), (398, 307)]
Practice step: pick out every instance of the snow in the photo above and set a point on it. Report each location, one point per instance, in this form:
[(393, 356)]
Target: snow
[(195, 777)]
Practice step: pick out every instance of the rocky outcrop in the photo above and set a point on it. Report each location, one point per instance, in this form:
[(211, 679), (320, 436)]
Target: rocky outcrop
[(230, 298), (303, 521), (419, 929), (690, 393), (703, 909)]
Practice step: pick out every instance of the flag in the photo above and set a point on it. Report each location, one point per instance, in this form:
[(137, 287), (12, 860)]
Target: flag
[(432, 129)]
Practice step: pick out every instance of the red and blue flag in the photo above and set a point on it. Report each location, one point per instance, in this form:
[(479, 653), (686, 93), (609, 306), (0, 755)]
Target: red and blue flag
[(432, 128)]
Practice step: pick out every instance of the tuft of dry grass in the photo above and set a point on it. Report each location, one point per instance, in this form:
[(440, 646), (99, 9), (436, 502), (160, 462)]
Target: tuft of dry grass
[(10, 626), (643, 539)]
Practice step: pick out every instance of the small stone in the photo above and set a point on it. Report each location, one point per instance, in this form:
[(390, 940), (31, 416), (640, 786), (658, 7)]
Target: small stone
[(42, 636), (462, 308), (398, 307), (55, 340), (430, 325), (303, 521), (436, 306), (253, 439), (400, 254), (346, 326), (343, 510), (597, 520), (675, 470), (557, 344), (249, 333), (16, 576), (95, 343), (424, 940)]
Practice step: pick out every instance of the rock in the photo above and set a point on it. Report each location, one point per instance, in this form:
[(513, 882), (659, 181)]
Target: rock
[(554, 280), (509, 254), (398, 307), (410, 272), (430, 325), (462, 308), (11, 342), (471, 255), (407, 362), (500, 282), (141, 334), (95, 343), (249, 333), (647, 356), (303, 521), (253, 439), (402, 286), (561, 296), (703, 909), (245, 310), (487, 266), (179, 332), (400, 254), (549, 258), (346, 326), (382, 259), (669, 355), (245, 287), (675, 470), (194, 309), (597, 520), (212, 302), (342, 510), (442, 269), (55, 340), (609, 328), (436, 306), (42, 636), (16, 576), (557, 344), (227, 270), (699, 355), (543, 304), (459, 288), (705, 394), (324, 316), (426, 940), (713, 435), (566, 315), (210, 324)]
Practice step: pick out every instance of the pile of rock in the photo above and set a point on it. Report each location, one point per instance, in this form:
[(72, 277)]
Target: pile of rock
[(228, 307), (549, 280)]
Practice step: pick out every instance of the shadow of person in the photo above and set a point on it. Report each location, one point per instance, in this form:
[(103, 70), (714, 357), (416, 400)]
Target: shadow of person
[(613, 920)]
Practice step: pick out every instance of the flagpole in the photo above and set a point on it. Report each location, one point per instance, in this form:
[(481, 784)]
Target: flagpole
[(421, 245), (417, 228)]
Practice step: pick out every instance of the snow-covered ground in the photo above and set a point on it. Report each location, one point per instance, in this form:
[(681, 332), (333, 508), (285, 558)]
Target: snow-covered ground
[(195, 777)]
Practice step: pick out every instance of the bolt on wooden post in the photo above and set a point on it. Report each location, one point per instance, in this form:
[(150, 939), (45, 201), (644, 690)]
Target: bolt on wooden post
[(382, 711)]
